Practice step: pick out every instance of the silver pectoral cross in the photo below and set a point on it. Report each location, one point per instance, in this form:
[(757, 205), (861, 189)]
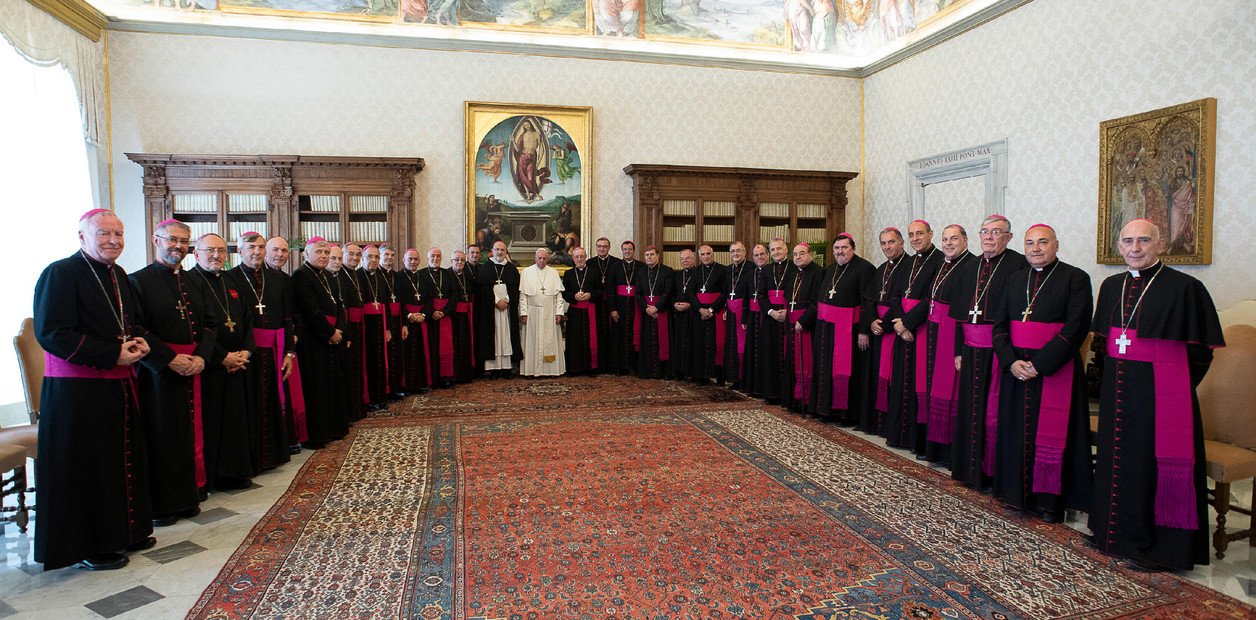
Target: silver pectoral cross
[(1122, 343), (832, 292), (975, 313), (703, 289), (261, 308), (394, 298), (1026, 313), (629, 289), (791, 305)]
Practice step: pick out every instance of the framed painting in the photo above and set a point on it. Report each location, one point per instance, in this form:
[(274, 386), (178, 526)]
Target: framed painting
[(1159, 165), (529, 178)]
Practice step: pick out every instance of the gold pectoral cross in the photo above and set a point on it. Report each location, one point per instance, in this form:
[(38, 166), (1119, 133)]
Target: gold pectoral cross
[(1026, 313), (181, 308), (230, 325), (261, 308)]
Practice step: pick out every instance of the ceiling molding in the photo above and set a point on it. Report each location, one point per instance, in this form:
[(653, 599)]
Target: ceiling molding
[(950, 32), (77, 14)]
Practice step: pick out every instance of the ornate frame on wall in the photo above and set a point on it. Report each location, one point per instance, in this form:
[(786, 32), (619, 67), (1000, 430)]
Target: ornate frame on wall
[(1140, 158), (527, 220), (987, 160)]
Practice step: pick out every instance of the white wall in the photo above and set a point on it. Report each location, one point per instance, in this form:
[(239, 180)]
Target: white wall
[(1044, 76), (192, 94)]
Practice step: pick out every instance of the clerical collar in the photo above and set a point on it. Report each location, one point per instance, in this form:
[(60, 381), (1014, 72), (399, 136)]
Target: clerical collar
[(176, 268), (316, 268), (495, 261), (1137, 274), (1052, 263)]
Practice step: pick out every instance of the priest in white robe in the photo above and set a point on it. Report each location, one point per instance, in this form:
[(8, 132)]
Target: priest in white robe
[(542, 310)]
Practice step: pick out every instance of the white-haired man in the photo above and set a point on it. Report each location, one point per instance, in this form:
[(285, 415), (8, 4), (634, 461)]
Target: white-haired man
[(541, 310)]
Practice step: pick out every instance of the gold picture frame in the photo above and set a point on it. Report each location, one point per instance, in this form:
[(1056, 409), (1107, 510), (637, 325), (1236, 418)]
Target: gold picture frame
[(1159, 165), (529, 178)]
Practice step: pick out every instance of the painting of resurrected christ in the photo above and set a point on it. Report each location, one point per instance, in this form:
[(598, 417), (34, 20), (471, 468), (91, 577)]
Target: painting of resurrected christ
[(528, 179)]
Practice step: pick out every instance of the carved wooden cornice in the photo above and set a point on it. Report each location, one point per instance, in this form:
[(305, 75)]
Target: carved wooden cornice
[(77, 14), (762, 173), (415, 164)]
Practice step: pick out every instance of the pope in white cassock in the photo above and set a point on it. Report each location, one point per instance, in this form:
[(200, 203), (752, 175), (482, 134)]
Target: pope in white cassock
[(541, 311)]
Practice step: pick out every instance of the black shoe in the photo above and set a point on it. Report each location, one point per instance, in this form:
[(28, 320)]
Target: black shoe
[(202, 495), (165, 520), (105, 561), (315, 445), (1052, 516), (189, 513), (147, 543), (402, 394), (1144, 566), (294, 448), (1089, 541), (233, 483)]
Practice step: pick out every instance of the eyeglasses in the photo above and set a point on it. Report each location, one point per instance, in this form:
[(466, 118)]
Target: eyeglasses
[(212, 251), (987, 232), (175, 240)]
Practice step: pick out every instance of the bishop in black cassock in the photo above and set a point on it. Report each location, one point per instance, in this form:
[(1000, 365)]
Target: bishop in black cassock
[(464, 317), (625, 313), (976, 302), (603, 265), (801, 288), (683, 309), (349, 290), (416, 357), (1160, 327), (753, 320), (654, 299), (838, 361), (92, 458), (736, 293), (881, 315), (905, 418), (943, 388), (582, 289), (772, 367), (377, 331), (320, 346), (1043, 443), (706, 356), (438, 288), (497, 341)]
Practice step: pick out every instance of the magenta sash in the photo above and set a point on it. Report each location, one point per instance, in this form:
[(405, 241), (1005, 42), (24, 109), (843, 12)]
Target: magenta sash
[(355, 316), (1175, 432), (885, 364), (273, 339), (198, 423), (59, 368), (776, 297), (802, 357), (625, 290), (468, 308), (422, 334), (755, 307), (982, 337), (1053, 409), (707, 299), (734, 308), (591, 309), (943, 391), (843, 320), (665, 347), (298, 401), (446, 335), (374, 309), (921, 343)]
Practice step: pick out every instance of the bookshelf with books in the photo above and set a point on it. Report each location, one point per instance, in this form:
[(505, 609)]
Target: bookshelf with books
[(359, 199), (682, 207)]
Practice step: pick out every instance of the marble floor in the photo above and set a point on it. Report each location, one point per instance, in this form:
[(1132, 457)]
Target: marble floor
[(164, 582)]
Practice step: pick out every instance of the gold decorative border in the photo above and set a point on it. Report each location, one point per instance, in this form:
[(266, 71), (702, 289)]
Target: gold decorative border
[(77, 14), (480, 116), (1204, 113)]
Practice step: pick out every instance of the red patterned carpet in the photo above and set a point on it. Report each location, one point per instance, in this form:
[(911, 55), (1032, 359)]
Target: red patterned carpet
[(614, 497)]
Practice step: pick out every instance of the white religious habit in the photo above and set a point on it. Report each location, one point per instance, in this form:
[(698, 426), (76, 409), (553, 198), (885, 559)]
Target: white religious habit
[(501, 327), (541, 300)]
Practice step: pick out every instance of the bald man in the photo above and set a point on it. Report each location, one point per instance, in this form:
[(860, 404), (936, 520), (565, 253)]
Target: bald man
[(736, 292), (906, 416), (752, 321), (654, 291), (977, 302), (344, 264), (1160, 327), (582, 290), (92, 457), (706, 359), (276, 260), (377, 331), (881, 315), (415, 356), (396, 324), (1043, 443), (438, 287), (772, 379), (684, 288)]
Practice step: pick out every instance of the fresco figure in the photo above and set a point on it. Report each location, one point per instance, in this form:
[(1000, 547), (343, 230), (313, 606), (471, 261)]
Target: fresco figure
[(529, 154), (823, 26), (798, 13), (1182, 218), (493, 161)]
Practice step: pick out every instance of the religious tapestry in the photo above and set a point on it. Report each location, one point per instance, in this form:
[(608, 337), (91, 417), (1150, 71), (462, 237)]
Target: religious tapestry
[(1159, 165), (528, 178)]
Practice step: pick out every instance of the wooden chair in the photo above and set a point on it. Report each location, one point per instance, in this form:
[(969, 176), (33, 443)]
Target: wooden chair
[(13, 460), (1227, 400), (30, 361)]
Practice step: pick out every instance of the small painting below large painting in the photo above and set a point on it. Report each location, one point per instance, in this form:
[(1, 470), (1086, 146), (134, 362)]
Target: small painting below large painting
[(528, 178), (1158, 165)]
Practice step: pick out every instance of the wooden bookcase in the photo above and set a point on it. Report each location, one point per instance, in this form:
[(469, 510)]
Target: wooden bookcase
[(358, 199), (679, 207)]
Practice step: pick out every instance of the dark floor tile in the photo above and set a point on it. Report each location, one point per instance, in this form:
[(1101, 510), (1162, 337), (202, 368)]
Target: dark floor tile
[(170, 553), (124, 601), (213, 514), (6, 610)]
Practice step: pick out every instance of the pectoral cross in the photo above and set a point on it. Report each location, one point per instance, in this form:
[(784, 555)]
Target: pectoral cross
[(791, 305), (882, 294), (230, 325), (498, 281), (1122, 343), (261, 308), (439, 295), (1026, 313), (975, 313), (124, 337), (703, 289), (376, 304), (832, 292), (628, 289), (180, 307), (394, 297)]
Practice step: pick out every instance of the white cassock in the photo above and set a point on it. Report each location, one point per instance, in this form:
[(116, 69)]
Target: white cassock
[(501, 331), (541, 300)]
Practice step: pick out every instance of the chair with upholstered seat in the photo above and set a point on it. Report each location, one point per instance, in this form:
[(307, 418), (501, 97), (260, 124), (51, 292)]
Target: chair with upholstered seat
[(1227, 400), (13, 459), (30, 361)]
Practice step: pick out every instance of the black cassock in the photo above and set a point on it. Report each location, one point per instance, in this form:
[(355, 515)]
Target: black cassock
[(847, 282), (941, 414), (375, 325), (752, 319), (396, 372), (800, 289), (489, 275), (978, 289), (1058, 293), (465, 358), (621, 289), (681, 322), (877, 298), (227, 396), (736, 303), (1176, 307), (582, 329), (653, 288), (706, 361), (601, 269), (322, 363), (175, 449), (270, 428), (418, 373), (903, 426), (92, 468), (295, 410), (439, 292), (349, 289), (772, 368)]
